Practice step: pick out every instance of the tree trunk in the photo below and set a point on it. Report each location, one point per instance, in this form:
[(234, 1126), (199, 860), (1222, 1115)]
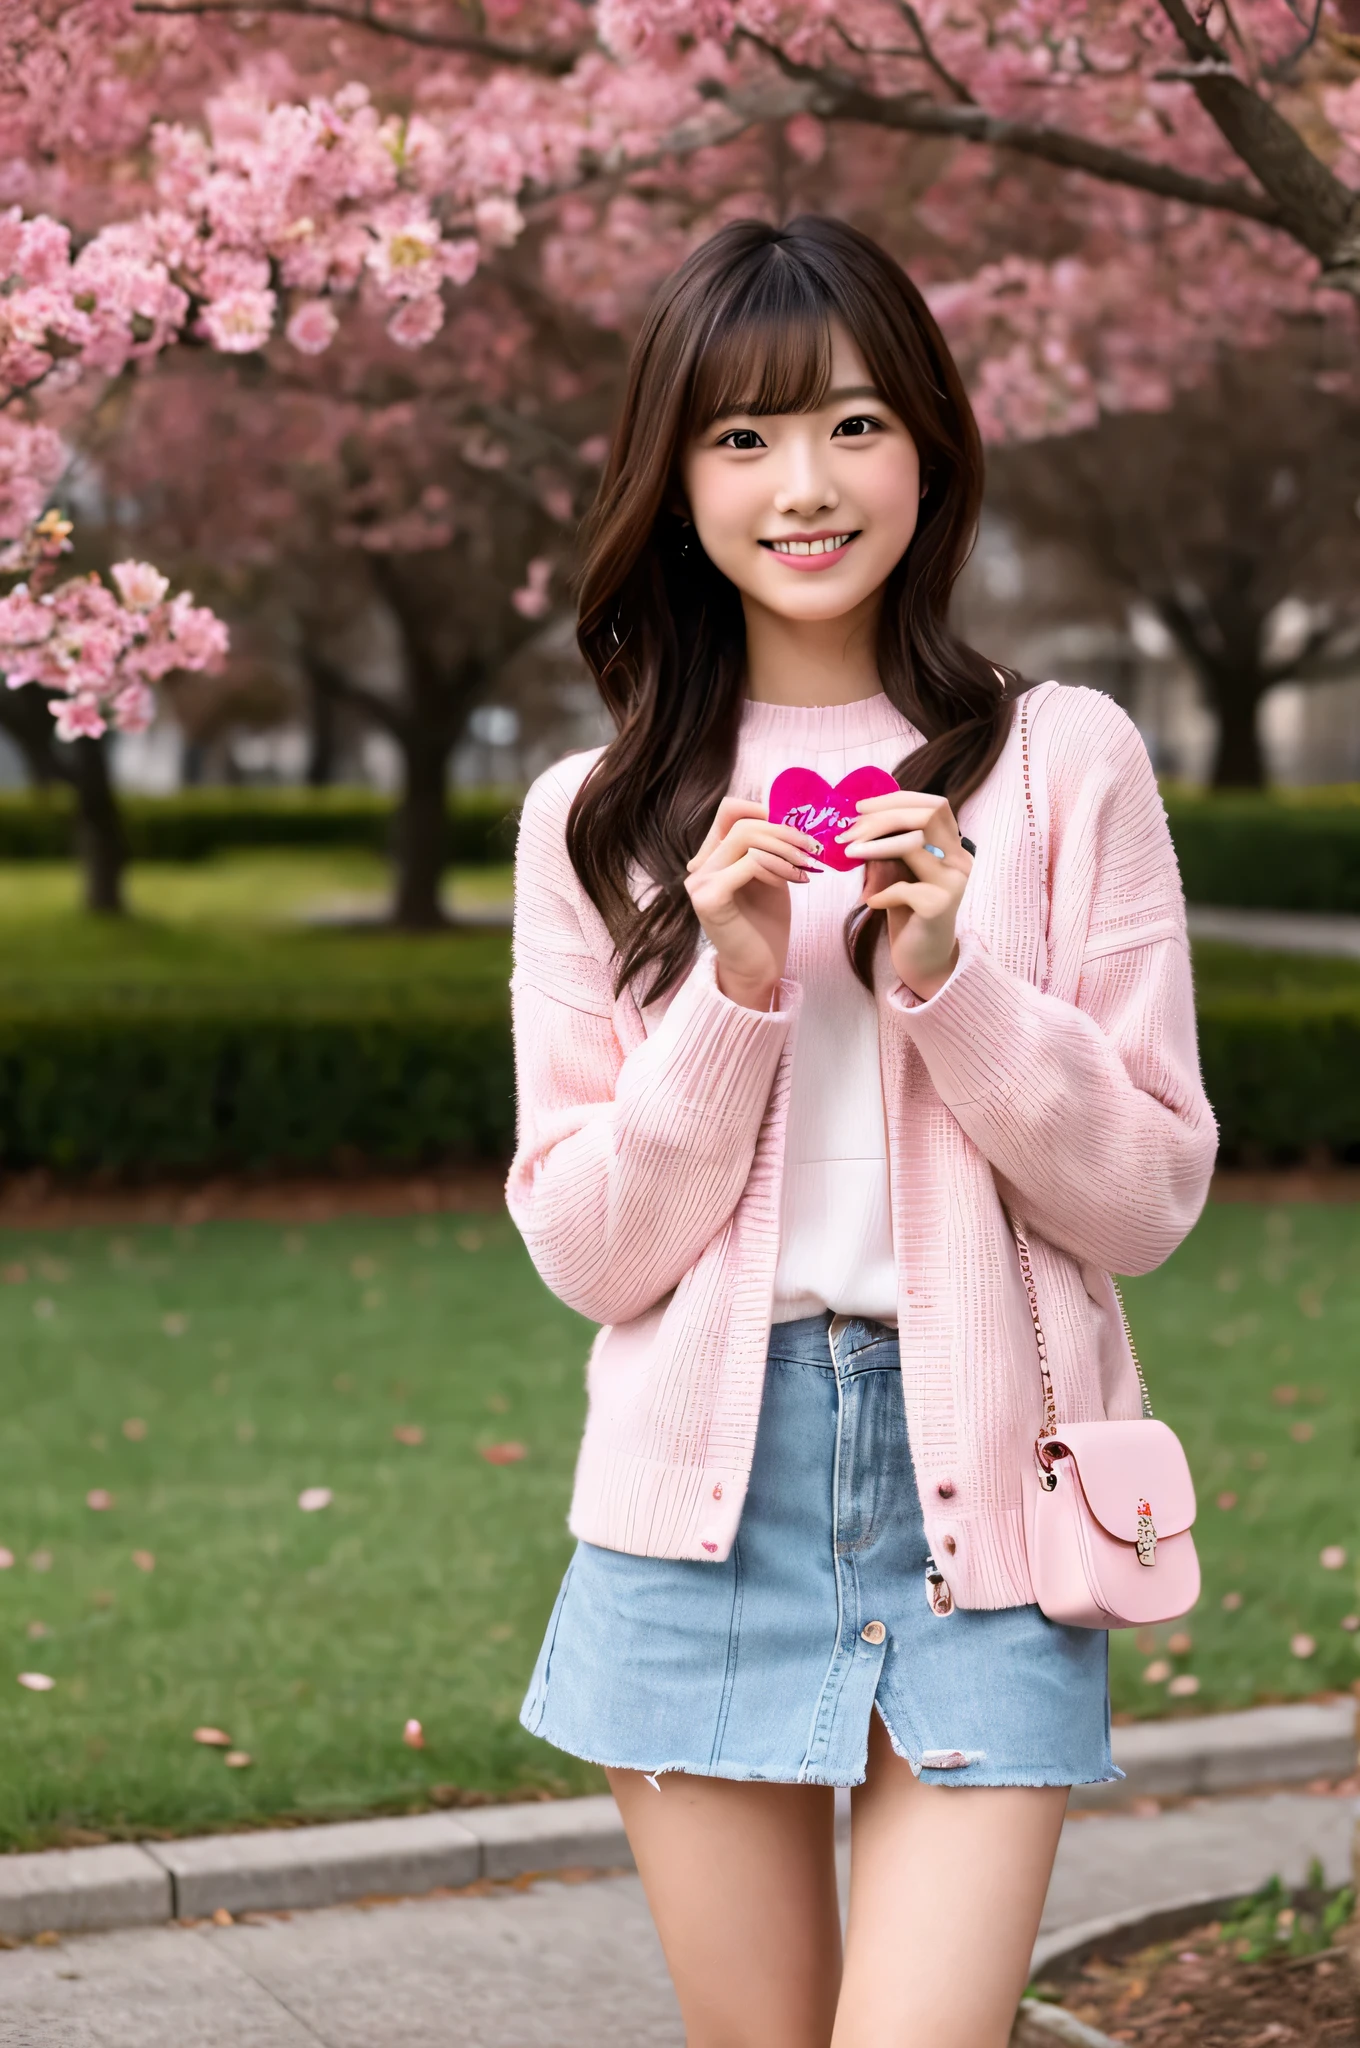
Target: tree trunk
[(1239, 761), (101, 846), (421, 832), (100, 840), (322, 680)]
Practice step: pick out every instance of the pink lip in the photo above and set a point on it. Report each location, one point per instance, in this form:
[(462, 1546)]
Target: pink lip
[(811, 561)]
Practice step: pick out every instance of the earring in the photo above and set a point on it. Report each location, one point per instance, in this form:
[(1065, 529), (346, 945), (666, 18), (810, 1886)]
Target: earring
[(686, 529)]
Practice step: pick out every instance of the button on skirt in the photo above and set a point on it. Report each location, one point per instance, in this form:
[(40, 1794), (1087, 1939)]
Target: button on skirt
[(769, 1664)]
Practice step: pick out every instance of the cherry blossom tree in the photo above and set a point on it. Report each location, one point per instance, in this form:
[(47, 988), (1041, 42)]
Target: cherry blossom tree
[(1098, 197), (430, 494), (1234, 518)]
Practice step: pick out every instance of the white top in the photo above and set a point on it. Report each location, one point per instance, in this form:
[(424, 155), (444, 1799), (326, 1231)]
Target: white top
[(836, 1239)]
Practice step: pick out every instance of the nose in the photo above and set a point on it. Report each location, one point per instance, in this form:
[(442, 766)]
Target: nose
[(804, 487)]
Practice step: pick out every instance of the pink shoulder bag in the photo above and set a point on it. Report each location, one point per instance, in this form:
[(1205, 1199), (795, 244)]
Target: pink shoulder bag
[(1109, 1522)]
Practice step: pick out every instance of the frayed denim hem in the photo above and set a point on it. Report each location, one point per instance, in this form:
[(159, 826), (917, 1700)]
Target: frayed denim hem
[(967, 1771), (963, 1775)]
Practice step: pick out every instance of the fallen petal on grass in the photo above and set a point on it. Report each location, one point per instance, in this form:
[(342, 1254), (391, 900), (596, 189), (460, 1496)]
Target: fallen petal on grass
[(40, 1561), (1181, 1644), (1157, 1673), (43, 1308), (144, 1560), (313, 1497), (1333, 1558), (174, 1324), (1284, 1397), (408, 1433), (36, 1681), (413, 1735), (6, 1560), (1302, 1432), (238, 1759), (1184, 1687), (1226, 1501), (1350, 1622), (1230, 1602), (213, 1738), (97, 1497), (134, 1429), (504, 1454), (1301, 1646), (36, 1630)]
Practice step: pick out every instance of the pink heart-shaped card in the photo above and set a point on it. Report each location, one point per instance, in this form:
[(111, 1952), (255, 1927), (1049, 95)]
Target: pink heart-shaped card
[(803, 798)]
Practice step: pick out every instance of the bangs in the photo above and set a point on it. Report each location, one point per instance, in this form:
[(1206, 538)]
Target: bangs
[(766, 352)]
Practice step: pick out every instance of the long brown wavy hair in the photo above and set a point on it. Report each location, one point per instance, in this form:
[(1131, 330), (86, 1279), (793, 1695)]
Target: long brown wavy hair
[(745, 326)]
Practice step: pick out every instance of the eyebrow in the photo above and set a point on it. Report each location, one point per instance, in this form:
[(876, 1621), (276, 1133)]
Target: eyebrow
[(840, 396)]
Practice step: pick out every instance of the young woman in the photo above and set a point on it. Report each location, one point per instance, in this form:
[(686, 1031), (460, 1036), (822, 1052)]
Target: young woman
[(778, 1124)]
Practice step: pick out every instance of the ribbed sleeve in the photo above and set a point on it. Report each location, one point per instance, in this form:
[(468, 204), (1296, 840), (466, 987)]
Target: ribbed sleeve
[(1091, 1111), (626, 1164)]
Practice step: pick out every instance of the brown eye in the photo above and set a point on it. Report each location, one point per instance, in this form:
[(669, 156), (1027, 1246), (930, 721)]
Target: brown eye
[(741, 438), (855, 429)]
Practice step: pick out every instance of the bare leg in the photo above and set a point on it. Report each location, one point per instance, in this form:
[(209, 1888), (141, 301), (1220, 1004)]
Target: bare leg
[(741, 1880), (946, 1889)]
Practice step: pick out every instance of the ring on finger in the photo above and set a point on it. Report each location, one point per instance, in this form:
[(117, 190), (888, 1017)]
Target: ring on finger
[(938, 851)]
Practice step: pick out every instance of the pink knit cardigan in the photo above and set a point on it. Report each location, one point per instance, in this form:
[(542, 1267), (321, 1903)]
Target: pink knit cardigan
[(1055, 1073)]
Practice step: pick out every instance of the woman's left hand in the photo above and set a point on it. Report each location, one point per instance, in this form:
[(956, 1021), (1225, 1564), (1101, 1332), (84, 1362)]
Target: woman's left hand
[(901, 838)]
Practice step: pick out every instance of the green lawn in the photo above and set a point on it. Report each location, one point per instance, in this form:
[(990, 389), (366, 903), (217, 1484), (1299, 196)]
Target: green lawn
[(207, 930), (1249, 1336), (263, 1361)]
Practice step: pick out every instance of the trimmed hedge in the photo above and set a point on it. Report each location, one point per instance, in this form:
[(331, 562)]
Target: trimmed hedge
[(199, 822), (138, 1091), (1277, 851), (133, 1092), (1283, 1076)]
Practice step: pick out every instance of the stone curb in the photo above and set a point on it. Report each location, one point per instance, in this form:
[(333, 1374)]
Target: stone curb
[(71, 1891), (1228, 1752), (1040, 2026)]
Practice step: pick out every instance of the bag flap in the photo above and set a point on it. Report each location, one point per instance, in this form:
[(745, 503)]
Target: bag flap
[(1123, 1464)]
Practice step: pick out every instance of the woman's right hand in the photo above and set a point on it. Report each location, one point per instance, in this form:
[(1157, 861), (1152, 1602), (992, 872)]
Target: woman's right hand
[(738, 883)]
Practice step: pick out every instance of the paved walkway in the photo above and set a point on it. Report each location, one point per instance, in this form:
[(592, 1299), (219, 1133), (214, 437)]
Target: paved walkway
[(556, 1966), (1279, 931)]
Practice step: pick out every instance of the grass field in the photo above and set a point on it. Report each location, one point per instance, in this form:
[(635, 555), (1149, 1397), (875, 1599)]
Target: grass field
[(206, 929), (204, 1378), (262, 1362)]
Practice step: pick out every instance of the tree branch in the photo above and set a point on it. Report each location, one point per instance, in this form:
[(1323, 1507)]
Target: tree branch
[(951, 84), (555, 63), (1321, 213), (834, 96)]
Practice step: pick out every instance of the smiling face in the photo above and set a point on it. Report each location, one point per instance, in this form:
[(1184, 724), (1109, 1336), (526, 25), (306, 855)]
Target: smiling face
[(808, 513)]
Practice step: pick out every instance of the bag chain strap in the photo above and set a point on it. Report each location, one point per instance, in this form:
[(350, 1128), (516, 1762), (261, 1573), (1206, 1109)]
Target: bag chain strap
[(1050, 1424), (1050, 1406)]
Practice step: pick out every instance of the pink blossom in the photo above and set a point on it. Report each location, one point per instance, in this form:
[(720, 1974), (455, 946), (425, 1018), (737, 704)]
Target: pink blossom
[(405, 255), (531, 600), (139, 585), (239, 322), (460, 261), (417, 321), (313, 327), (77, 717), (499, 222), (134, 708)]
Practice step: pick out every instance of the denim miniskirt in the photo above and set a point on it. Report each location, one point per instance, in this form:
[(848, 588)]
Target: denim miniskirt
[(769, 1664)]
